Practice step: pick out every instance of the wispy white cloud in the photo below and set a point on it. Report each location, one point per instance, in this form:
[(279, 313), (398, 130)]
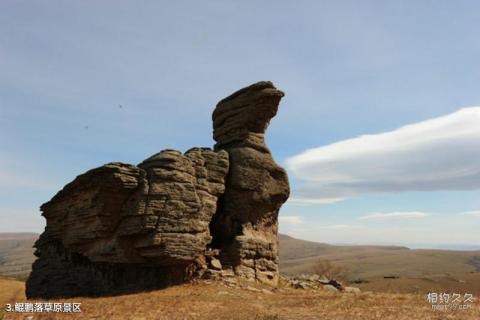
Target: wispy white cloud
[(437, 154), (336, 226), (291, 219), (395, 215), (307, 201), (471, 213)]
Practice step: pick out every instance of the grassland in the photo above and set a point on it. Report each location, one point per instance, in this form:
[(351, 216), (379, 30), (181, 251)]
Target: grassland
[(213, 301)]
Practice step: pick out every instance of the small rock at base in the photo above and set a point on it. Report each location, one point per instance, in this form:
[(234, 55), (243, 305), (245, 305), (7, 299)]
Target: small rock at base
[(215, 263), (330, 288), (249, 288)]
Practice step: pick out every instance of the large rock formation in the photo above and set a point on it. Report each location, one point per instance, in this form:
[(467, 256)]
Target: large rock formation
[(245, 226), (175, 217)]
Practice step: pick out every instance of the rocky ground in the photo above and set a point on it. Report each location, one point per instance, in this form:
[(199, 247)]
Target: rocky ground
[(213, 300)]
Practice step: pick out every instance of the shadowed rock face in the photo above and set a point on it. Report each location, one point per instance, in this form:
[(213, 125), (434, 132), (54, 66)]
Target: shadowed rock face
[(122, 228)]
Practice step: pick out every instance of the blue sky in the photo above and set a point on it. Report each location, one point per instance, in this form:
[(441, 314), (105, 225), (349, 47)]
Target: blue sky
[(348, 68)]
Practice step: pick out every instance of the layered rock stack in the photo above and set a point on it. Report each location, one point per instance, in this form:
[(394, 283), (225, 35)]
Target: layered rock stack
[(245, 225), (175, 217)]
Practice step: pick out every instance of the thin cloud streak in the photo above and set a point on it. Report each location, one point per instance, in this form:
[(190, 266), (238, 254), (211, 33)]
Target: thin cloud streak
[(337, 226), (306, 201), (395, 215), (291, 219), (471, 213)]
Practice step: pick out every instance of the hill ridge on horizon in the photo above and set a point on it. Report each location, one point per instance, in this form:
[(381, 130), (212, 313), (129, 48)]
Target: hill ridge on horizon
[(425, 267), (284, 236)]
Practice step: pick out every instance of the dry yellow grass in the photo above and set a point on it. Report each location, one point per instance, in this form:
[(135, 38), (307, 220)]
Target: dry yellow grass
[(213, 301), (11, 290), (463, 282)]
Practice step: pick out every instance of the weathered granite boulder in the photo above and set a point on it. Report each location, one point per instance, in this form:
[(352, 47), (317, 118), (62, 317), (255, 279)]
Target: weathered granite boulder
[(122, 228)]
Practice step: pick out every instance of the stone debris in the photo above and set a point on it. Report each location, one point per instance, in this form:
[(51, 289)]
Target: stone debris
[(316, 282)]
